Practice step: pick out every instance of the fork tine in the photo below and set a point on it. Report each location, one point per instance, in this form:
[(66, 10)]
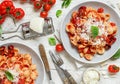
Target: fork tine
[(56, 59), (52, 56), (60, 59)]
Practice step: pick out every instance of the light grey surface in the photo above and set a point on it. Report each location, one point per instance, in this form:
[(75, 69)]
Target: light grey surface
[(73, 51), (68, 60)]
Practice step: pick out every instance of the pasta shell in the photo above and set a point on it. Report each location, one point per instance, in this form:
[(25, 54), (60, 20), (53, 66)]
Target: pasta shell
[(88, 56), (81, 55), (81, 46), (85, 50), (101, 50)]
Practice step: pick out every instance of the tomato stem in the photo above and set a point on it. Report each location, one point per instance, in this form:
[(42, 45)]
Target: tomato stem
[(13, 20)]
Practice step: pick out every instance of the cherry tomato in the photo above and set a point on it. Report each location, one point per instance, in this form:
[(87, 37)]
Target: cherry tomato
[(47, 7), (21, 81), (3, 66), (45, 0), (37, 4), (7, 7), (82, 10), (110, 39), (59, 47), (2, 81), (11, 51), (100, 10), (112, 24), (10, 47), (43, 14), (2, 18), (2, 48), (113, 69), (19, 13), (2, 53), (51, 2)]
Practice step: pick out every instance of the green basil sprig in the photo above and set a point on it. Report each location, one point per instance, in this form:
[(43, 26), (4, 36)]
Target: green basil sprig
[(9, 75), (52, 41), (116, 55), (66, 3), (58, 13), (94, 31)]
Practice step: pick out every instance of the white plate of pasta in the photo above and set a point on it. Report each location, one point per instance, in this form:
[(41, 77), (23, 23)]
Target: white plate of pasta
[(19, 64), (90, 32)]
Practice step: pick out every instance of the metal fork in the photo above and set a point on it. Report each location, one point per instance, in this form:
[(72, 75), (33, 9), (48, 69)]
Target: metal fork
[(59, 62)]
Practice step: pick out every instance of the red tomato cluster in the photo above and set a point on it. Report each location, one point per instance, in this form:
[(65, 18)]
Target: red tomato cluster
[(45, 4), (7, 8)]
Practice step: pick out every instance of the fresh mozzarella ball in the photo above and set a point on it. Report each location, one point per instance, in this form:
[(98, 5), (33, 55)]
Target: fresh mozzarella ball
[(37, 24)]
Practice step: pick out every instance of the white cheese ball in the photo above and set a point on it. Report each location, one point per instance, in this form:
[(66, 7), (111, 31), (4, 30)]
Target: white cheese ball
[(37, 24)]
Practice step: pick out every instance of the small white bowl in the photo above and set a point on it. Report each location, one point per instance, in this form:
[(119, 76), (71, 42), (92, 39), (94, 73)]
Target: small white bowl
[(89, 78)]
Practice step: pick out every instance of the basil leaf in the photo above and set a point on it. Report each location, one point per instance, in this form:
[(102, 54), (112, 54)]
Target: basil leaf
[(9, 75), (116, 55), (67, 3), (52, 41), (0, 30), (64, 2), (58, 13), (94, 31)]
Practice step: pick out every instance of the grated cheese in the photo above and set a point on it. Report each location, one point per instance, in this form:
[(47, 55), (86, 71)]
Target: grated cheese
[(91, 77), (86, 31)]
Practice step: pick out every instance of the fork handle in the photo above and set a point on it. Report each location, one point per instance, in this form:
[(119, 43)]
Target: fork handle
[(69, 76), (65, 81), (72, 81)]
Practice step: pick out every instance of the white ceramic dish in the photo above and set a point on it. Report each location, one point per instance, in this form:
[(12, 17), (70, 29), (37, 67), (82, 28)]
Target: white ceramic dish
[(89, 73), (35, 60), (73, 51)]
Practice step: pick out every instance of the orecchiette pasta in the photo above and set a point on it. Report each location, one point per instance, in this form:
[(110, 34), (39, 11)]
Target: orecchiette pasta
[(20, 64), (80, 34)]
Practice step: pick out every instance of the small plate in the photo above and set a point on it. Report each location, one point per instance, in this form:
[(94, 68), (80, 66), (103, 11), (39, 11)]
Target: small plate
[(35, 59)]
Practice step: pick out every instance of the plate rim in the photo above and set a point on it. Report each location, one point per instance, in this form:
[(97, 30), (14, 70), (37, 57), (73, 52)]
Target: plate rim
[(88, 1), (33, 51)]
